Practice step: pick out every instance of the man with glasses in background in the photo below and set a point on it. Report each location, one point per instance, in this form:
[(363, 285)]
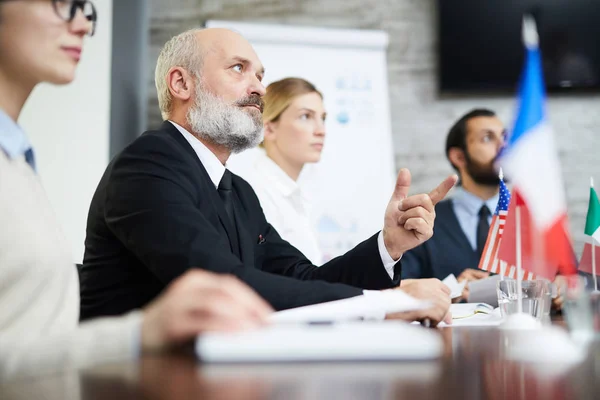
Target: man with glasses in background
[(463, 221)]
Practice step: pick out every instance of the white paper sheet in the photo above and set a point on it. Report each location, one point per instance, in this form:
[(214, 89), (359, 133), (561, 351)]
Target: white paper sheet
[(456, 288), (374, 305), (484, 291)]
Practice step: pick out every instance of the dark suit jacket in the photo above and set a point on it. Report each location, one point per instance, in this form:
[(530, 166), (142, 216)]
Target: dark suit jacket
[(156, 213), (447, 252)]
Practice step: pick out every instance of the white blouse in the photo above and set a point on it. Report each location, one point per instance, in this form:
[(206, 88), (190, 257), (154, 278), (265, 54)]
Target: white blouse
[(285, 205)]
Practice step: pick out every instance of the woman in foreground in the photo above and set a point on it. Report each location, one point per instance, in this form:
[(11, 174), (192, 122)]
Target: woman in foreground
[(42, 41)]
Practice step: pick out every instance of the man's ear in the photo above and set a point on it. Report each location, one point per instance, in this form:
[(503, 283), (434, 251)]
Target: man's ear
[(457, 157), (180, 84)]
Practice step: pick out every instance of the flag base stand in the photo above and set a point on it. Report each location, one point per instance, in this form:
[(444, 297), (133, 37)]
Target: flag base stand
[(549, 344), (521, 321)]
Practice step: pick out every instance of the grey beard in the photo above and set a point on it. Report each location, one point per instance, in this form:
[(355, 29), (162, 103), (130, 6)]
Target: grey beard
[(224, 124)]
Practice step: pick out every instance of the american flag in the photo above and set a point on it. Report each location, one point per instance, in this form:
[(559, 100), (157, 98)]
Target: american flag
[(489, 260)]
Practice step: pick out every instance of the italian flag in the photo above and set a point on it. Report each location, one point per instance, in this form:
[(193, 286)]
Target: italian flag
[(591, 251)]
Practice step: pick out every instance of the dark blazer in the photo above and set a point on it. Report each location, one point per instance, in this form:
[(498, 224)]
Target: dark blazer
[(447, 252), (156, 213)]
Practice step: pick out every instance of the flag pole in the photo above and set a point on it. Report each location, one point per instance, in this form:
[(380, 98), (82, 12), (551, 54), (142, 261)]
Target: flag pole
[(531, 40), (502, 263), (519, 261), (594, 265), (594, 251)]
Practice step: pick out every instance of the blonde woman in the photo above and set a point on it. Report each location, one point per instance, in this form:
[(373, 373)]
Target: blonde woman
[(294, 135)]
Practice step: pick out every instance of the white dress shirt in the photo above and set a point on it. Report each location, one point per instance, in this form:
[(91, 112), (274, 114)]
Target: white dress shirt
[(215, 171), (466, 207)]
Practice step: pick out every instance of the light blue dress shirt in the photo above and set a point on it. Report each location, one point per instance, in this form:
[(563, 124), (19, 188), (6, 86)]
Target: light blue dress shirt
[(13, 140), (466, 207)]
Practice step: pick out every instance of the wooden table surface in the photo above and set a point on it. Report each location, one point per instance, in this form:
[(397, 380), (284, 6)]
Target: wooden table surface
[(475, 365)]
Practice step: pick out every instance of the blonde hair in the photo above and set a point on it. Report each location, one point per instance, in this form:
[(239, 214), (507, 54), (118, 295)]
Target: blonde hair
[(183, 51), (280, 95)]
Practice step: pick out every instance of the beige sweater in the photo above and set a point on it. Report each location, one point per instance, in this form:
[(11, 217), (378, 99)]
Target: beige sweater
[(39, 289)]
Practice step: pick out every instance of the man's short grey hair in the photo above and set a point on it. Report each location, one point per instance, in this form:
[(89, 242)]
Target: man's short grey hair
[(183, 51)]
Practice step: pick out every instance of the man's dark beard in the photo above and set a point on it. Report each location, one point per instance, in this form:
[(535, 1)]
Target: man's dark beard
[(482, 174)]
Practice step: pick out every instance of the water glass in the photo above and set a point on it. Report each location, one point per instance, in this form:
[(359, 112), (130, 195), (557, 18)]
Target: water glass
[(581, 309), (536, 298)]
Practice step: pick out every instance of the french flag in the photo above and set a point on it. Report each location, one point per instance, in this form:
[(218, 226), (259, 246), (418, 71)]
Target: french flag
[(531, 161)]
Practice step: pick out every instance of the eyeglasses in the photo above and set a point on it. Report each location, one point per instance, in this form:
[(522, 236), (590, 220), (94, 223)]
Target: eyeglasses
[(67, 10)]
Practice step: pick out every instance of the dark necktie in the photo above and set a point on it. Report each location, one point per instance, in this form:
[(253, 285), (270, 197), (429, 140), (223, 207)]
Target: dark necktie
[(483, 227), (30, 158), (226, 194)]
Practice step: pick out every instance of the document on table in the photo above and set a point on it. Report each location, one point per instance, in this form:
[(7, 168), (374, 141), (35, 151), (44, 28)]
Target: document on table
[(373, 305), (348, 329), (484, 291), (343, 341), (474, 314)]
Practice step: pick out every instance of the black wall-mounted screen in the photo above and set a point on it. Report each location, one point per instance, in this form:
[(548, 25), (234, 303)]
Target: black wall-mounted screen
[(480, 46)]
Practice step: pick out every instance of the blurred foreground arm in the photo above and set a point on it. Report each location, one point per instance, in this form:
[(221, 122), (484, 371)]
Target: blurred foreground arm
[(197, 302)]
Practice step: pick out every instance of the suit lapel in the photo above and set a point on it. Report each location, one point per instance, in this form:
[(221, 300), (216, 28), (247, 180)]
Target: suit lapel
[(208, 186)]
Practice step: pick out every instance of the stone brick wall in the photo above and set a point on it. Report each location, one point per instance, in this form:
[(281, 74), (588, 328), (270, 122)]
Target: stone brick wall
[(420, 117)]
